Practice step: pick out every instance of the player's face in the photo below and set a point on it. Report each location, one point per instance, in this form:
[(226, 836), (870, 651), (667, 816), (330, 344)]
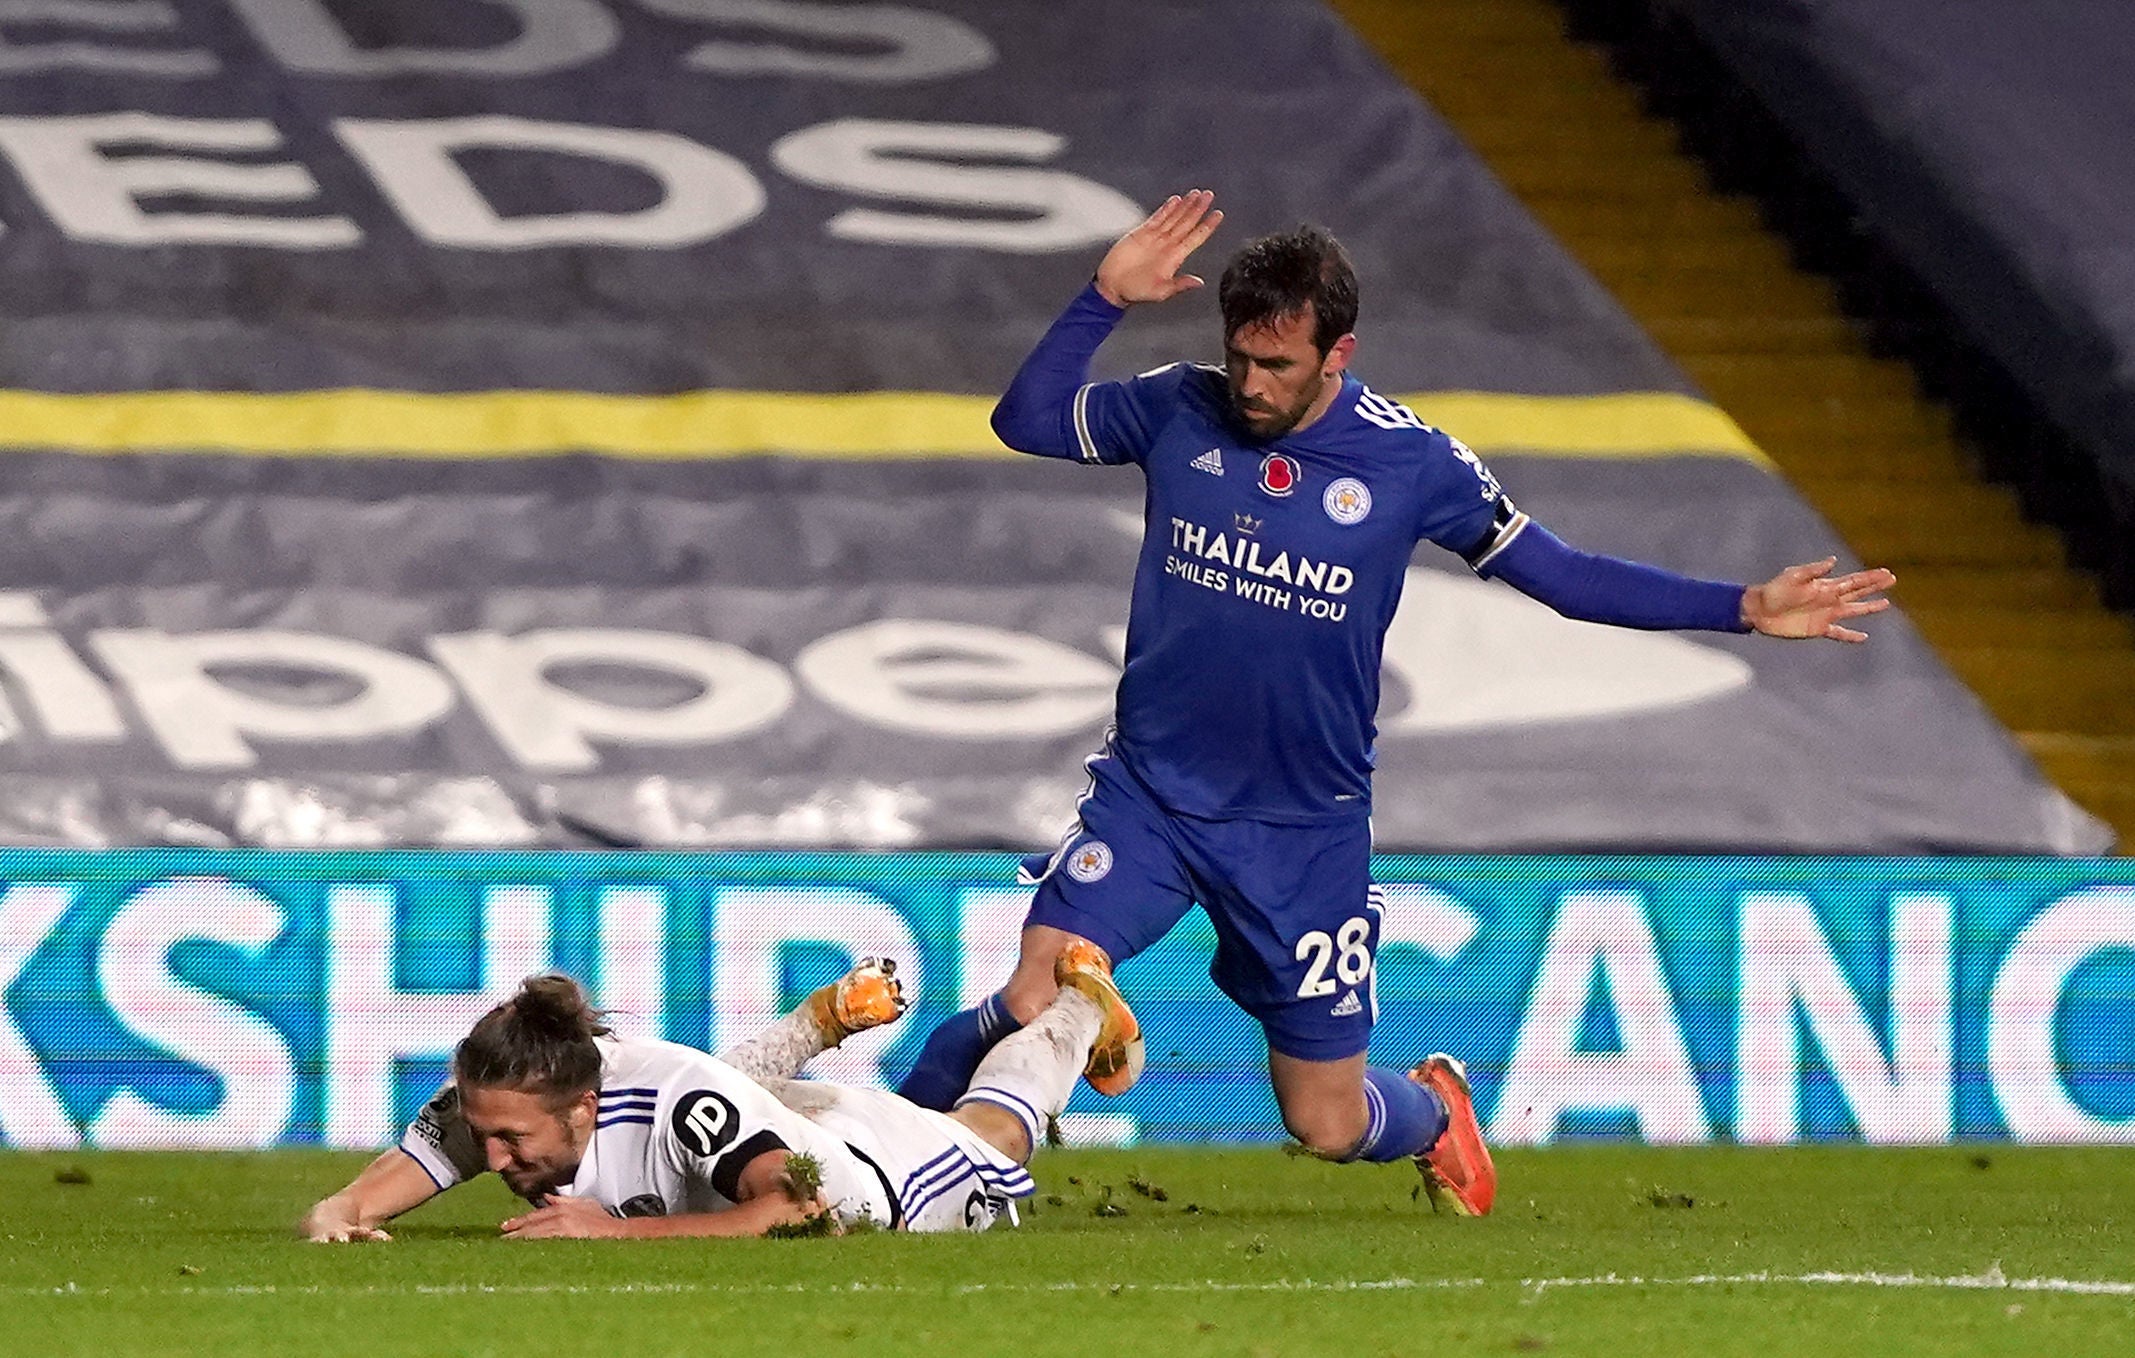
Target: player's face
[(1279, 379), (533, 1145)]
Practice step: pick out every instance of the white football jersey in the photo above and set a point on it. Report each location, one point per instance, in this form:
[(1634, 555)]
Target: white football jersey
[(677, 1126), (674, 1131)]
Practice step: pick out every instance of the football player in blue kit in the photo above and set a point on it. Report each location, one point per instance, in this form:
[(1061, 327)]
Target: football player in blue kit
[(1284, 498)]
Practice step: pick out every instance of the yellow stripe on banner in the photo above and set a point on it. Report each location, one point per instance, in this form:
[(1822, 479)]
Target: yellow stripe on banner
[(718, 424), (1628, 424)]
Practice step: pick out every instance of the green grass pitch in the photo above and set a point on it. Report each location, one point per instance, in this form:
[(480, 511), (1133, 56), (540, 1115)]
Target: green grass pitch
[(1594, 1249)]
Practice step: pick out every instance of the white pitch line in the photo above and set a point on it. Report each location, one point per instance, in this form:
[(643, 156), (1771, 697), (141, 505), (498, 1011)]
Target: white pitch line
[(1991, 1280), (737, 1289)]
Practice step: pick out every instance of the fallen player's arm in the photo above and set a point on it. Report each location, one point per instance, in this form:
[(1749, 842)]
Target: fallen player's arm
[(391, 1184), (764, 1201)]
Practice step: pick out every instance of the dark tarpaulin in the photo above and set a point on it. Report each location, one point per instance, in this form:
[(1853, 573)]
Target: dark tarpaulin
[(788, 649)]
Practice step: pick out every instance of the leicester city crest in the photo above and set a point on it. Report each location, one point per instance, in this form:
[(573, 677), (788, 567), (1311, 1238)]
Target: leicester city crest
[(1347, 501), (1089, 861)]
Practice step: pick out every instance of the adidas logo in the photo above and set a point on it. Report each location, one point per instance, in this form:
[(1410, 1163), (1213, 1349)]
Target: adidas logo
[(1348, 1005), (1210, 462)]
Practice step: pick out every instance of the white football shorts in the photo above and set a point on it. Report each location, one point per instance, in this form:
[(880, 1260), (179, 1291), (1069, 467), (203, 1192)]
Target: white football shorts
[(940, 1175)]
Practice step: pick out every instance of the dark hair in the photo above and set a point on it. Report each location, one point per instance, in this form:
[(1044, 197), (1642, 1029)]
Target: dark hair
[(540, 1041), (1276, 277)]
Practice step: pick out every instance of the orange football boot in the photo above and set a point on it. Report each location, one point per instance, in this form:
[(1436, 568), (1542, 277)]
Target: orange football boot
[(1457, 1172), (868, 996), (1116, 1056)]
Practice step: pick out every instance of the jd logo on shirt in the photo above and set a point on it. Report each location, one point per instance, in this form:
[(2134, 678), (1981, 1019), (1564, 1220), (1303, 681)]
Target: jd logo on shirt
[(706, 1122)]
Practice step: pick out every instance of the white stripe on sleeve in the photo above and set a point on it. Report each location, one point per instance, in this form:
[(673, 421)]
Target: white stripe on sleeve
[(1082, 424), (1504, 539)]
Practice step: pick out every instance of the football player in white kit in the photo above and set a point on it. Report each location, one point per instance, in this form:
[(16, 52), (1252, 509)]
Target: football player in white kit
[(623, 1137)]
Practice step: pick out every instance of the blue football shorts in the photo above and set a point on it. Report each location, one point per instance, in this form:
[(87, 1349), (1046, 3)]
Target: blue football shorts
[(1296, 917)]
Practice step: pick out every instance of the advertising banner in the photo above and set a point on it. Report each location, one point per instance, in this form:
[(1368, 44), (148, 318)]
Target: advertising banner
[(258, 999)]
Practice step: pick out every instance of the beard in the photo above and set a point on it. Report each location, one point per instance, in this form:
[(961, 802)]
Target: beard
[(1270, 423), (540, 1183)]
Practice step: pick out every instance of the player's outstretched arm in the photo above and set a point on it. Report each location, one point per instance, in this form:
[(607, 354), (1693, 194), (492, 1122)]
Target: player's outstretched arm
[(765, 1200), (1807, 601), (1799, 602), (388, 1186)]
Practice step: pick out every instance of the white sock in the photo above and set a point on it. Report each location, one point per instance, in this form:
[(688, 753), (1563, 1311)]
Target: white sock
[(1032, 1071), (779, 1051)]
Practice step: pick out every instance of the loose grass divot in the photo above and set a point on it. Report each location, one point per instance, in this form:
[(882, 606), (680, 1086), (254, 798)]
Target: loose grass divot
[(802, 1183)]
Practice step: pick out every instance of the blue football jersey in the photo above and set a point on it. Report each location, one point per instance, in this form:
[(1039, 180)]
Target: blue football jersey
[(1269, 573)]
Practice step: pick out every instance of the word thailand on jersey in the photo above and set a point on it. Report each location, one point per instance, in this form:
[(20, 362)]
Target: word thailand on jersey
[(677, 1127), (1268, 577)]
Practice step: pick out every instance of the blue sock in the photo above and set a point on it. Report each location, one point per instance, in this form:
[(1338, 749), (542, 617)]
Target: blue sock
[(953, 1052), (1406, 1118)]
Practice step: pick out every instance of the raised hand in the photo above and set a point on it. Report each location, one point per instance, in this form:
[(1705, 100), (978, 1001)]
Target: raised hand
[(1143, 265), (1805, 601)]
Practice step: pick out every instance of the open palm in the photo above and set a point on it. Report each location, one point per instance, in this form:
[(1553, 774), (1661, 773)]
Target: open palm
[(1143, 266), (1807, 601)]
